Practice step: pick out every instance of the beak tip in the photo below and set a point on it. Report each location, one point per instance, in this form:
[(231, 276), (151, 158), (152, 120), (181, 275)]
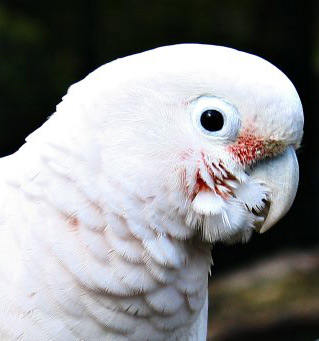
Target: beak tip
[(264, 228), (282, 176)]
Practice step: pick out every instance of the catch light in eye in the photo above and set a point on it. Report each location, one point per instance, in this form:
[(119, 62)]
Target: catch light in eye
[(212, 120)]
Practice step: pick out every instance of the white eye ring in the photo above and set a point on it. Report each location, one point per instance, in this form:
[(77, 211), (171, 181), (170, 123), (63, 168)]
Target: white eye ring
[(231, 119)]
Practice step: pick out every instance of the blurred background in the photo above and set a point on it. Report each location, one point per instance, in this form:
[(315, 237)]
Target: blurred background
[(267, 289)]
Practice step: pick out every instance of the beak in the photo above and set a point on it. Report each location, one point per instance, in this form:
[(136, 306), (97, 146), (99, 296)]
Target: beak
[(281, 176)]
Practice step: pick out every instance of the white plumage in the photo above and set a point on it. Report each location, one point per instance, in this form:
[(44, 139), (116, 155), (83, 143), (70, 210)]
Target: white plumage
[(109, 210)]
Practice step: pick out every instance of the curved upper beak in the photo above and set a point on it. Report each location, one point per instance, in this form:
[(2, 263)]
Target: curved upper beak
[(281, 176)]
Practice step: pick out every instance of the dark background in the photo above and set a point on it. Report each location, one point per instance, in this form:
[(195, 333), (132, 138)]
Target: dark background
[(45, 46)]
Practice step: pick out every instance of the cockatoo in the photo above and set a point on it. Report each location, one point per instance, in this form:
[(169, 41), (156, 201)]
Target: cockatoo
[(109, 210)]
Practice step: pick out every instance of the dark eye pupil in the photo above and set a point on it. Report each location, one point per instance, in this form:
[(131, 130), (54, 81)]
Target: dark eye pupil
[(212, 120)]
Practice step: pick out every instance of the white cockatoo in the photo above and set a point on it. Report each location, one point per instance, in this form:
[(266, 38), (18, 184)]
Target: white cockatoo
[(109, 210)]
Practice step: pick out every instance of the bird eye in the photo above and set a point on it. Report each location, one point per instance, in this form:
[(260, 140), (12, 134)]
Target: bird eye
[(212, 120), (215, 118)]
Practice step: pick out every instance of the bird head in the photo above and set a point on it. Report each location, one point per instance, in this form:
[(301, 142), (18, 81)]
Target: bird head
[(203, 133)]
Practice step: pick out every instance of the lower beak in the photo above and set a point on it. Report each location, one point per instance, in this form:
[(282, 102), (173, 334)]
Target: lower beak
[(280, 175)]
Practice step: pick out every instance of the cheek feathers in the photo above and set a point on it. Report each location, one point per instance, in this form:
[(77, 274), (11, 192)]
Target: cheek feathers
[(249, 148)]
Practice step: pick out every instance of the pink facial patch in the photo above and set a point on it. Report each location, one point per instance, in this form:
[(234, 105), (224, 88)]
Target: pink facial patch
[(249, 148)]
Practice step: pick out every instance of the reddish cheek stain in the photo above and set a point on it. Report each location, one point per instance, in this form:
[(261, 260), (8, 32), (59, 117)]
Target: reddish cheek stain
[(248, 148), (201, 184), (185, 155)]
